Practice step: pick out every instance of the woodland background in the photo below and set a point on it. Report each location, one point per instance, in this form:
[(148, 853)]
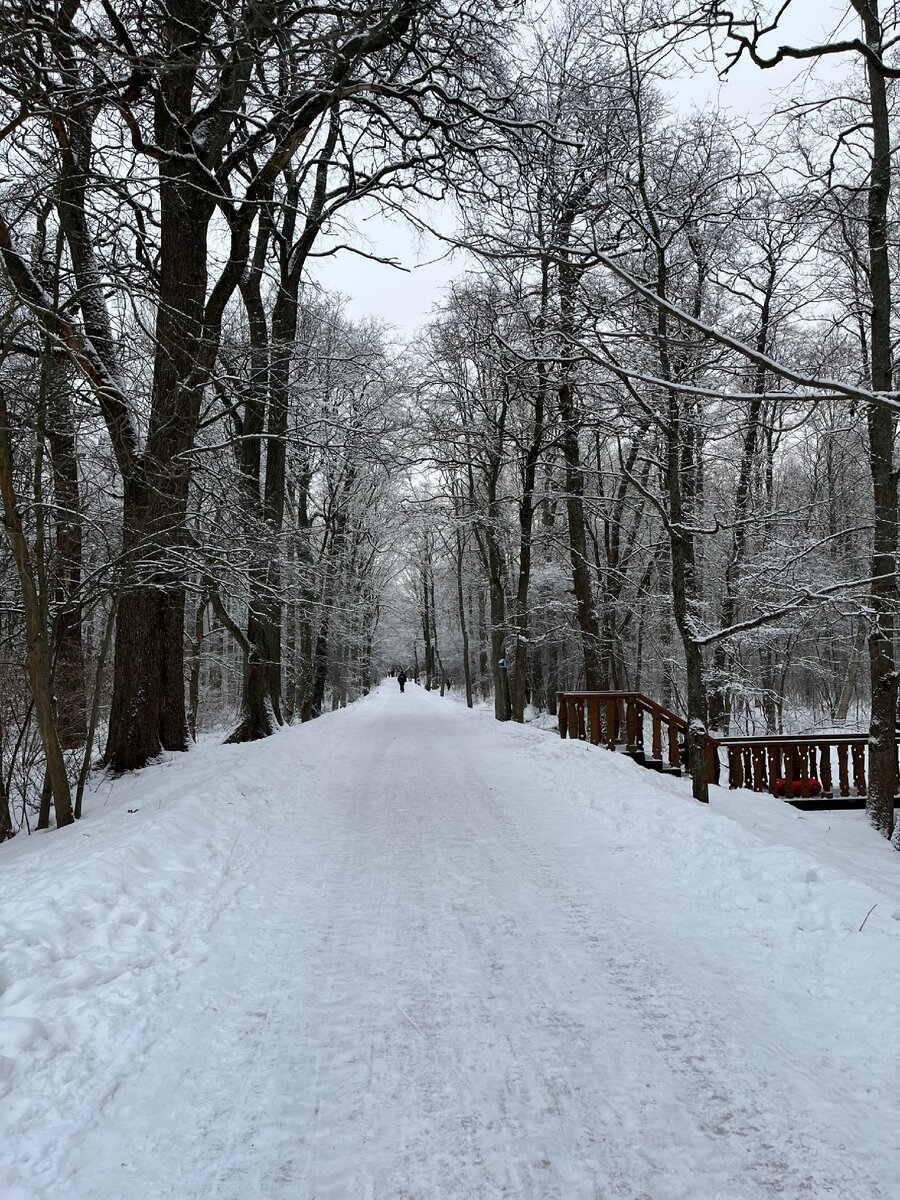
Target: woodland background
[(646, 443)]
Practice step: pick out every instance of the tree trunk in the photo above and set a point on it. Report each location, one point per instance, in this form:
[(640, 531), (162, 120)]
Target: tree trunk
[(683, 568), (426, 627), (552, 673), (526, 533), (259, 711), (320, 671), (37, 650), (289, 699), (719, 696), (6, 825), (769, 705), (682, 489), (148, 708), (527, 508), (69, 681), (194, 682), (438, 665), (305, 641), (849, 684), (594, 674), (493, 562), (463, 627), (484, 672), (883, 597)]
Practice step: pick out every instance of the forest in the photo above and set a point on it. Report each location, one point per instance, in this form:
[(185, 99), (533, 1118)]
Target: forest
[(646, 442)]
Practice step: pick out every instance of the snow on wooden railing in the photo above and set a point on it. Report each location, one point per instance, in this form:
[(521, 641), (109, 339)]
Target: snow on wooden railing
[(619, 719), (799, 768)]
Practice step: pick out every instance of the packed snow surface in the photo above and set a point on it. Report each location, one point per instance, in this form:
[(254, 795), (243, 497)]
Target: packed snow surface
[(405, 952)]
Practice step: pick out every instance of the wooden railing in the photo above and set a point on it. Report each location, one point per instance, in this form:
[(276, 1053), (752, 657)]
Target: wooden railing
[(804, 770), (620, 719), (799, 768)]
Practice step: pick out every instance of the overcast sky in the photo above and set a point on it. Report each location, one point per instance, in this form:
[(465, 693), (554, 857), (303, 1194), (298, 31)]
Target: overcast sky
[(405, 299)]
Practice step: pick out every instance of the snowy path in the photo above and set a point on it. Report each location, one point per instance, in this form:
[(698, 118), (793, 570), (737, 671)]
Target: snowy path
[(433, 978)]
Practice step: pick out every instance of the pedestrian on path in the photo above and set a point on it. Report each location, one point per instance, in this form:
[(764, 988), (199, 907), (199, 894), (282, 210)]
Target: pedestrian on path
[(401, 679)]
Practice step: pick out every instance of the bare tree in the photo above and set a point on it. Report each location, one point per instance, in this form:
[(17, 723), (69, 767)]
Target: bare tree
[(873, 48)]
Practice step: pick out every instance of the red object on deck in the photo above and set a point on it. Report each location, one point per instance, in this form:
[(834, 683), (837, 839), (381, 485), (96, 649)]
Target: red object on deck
[(814, 787)]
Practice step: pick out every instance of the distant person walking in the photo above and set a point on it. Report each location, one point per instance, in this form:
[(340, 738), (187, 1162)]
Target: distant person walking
[(401, 679)]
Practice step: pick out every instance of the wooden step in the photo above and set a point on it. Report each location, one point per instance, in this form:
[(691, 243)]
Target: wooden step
[(823, 804)]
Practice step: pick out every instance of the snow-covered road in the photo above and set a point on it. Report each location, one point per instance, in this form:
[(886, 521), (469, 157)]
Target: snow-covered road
[(422, 958)]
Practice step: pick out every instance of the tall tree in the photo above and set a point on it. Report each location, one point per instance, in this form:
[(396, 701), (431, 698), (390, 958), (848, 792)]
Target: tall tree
[(873, 48)]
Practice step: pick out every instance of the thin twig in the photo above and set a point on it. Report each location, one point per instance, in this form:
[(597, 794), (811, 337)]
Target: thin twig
[(866, 917)]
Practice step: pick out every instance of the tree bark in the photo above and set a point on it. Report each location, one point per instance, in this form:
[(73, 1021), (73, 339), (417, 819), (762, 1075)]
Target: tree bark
[(148, 708), (425, 614), (595, 678), (497, 597), (194, 679), (463, 626), (6, 826), (849, 684), (679, 469), (527, 509), (719, 696), (69, 681), (37, 649), (883, 597)]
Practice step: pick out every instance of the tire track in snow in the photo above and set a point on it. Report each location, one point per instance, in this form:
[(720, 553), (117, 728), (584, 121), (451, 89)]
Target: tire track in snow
[(758, 1125)]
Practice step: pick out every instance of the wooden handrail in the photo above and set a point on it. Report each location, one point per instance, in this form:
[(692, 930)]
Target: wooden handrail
[(791, 739), (597, 717), (799, 767)]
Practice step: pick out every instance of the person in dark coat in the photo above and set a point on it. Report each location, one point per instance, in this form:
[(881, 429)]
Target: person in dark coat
[(401, 679)]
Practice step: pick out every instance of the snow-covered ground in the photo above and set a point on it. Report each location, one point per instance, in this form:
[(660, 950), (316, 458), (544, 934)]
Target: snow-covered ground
[(406, 953)]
